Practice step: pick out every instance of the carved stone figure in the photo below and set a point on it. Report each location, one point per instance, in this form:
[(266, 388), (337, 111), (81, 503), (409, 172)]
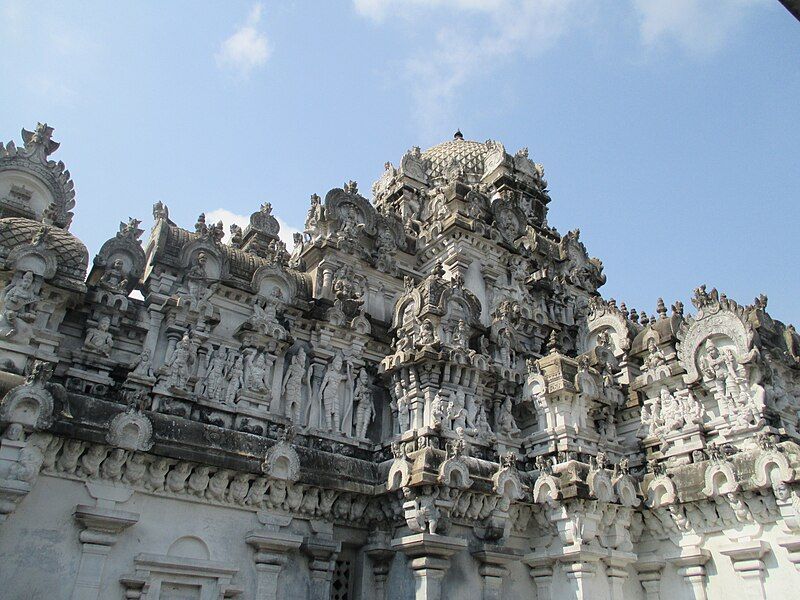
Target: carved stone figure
[(365, 411), (296, 379), (235, 380), (178, 366), (329, 393), (17, 303), (144, 364), (506, 423), (99, 339), (114, 279)]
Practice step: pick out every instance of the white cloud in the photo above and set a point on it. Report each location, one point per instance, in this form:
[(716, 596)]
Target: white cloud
[(700, 27), (466, 47), (248, 48), (229, 218)]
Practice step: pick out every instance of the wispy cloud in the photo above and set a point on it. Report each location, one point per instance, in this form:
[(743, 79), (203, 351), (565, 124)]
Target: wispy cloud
[(465, 48), (229, 218), (248, 48), (699, 27)]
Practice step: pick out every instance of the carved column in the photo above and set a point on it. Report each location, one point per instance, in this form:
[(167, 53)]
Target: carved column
[(429, 558), (792, 545), (272, 553), (322, 555), (649, 571), (617, 573), (746, 558), (542, 574), (380, 555), (102, 527), (691, 566), (493, 560)]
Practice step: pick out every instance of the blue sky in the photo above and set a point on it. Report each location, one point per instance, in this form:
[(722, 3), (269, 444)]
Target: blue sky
[(669, 129)]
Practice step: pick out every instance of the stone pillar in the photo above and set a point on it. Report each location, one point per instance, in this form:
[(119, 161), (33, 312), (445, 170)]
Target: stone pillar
[(617, 573), (691, 564), (649, 571), (579, 574), (322, 555), (542, 574), (792, 545), (746, 558), (429, 558), (380, 555), (272, 552), (102, 526), (493, 560)]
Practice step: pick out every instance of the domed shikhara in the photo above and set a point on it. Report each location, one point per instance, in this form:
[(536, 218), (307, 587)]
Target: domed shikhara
[(442, 350), (467, 155)]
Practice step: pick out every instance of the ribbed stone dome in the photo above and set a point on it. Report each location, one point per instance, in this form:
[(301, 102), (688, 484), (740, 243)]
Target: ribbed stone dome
[(468, 154)]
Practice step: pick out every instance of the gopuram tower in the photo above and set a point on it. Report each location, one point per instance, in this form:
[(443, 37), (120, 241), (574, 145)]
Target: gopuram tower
[(427, 397)]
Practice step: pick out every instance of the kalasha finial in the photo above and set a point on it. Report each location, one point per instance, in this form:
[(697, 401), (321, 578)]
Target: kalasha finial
[(552, 342), (661, 309), (458, 135)]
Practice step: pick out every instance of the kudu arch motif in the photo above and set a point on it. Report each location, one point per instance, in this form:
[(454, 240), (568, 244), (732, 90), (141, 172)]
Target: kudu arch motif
[(432, 373)]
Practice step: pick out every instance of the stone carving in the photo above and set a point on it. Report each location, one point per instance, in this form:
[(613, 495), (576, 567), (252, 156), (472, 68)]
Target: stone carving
[(450, 322), (362, 400), (17, 305), (99, 339)]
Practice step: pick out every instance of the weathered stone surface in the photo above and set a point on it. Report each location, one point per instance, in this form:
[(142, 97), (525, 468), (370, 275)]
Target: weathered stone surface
[(426, 398)]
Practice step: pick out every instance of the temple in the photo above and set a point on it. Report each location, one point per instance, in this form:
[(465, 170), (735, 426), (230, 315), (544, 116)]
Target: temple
[(425, 398)]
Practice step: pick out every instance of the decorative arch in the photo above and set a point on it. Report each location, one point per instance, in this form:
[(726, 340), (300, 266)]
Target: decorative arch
[(660, 492), (131, 431), (720, 478), (455, 474), (770, 468), (546, 490), (29, 405), (267, 277)]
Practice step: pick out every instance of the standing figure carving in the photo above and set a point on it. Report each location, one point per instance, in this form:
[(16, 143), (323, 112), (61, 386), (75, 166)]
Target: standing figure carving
[(362, 399), (215, 375), (235, 380), (179, 364), (17, 302), (329, 393), (297, 376)]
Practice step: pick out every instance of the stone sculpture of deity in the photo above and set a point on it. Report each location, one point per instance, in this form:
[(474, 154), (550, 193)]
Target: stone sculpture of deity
[(329, 393), (215, 374), (114, 278), (362, 399), (17, 302), (99, 339), (292, 387), (235, 380), (179, 364)]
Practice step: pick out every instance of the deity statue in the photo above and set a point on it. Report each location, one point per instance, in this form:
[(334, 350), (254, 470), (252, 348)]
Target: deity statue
[(721, 373), (296, 377), (460, 338), (362, 398), (178, 366), (197, 279), (215, 375), (457, 411), (255, 369), (439, 408), (505, 349), (235, 380), (295, 260), (482, 423), (655, 358), (17, 302), (505, 419), (114, 278), (314, 217), (99, 339), (426, 336), (144, 364), (329, 392)]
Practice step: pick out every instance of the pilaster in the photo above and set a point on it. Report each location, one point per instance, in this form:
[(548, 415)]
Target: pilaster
[(541, 571), (429, 558), (322, 555), (272, 550), (792, 545), (380, 555), (102, 527), (650, 570), (691, 564), (493, 560), (746, 558)]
